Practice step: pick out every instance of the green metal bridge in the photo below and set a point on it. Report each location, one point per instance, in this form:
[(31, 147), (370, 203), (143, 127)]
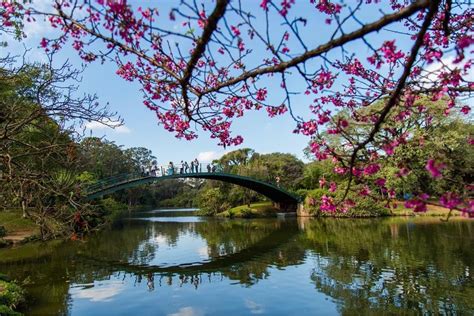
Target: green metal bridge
[(282, 198)]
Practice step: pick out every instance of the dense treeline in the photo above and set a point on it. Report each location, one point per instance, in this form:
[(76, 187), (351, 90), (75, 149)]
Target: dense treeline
[(403, 175)]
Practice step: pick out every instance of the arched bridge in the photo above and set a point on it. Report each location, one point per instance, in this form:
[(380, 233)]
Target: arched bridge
[(280, 196)]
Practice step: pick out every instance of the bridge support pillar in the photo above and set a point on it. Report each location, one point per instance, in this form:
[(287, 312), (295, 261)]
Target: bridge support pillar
[(301, 212), (286, 207)]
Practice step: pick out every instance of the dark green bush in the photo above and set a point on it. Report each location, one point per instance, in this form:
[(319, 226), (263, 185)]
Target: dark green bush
[(11, 296)]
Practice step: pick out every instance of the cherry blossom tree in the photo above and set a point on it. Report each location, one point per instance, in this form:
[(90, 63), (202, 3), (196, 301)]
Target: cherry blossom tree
[(203, 65)]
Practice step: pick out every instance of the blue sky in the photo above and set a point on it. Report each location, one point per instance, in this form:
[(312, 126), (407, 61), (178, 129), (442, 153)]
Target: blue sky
[(261, 133)]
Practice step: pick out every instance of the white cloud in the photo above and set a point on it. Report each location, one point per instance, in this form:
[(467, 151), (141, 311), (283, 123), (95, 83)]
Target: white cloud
[(187, 311), (203, 251), (41, 26), (161, 240), (99, 293), (208, 156), (116, 127), (254, 308)]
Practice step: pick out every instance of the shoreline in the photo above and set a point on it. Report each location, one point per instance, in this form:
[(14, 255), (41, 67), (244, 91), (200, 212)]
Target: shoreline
[(21, 231)]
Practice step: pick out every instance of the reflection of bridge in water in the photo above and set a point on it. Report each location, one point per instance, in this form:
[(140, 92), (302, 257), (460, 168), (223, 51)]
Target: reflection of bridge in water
[(273, 241), (282, 198)]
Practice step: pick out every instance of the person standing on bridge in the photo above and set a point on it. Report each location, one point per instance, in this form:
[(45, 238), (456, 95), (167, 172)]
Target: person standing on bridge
[(181, 167), (196, 165), (209, 168), (186, 167), (192, 166), (170, 168)]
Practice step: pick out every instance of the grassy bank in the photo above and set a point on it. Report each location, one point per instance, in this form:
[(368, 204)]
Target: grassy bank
[(432, 210), (260, 209), (17, 228)]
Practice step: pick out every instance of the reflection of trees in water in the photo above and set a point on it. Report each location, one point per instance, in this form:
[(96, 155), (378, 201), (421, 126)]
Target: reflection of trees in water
[(392, 267), (251, 272), (46, 277), (385, 267), (240, 250), (227, 237), (138, 242)]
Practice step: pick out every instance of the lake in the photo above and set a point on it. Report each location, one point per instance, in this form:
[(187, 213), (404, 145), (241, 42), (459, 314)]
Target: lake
[(170, 262)]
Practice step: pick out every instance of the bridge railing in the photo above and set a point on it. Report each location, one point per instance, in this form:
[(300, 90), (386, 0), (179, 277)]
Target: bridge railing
[(154, 171), (104, 183)]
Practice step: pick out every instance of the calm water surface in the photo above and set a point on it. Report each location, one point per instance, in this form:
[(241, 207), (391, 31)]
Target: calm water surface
[(160, 264)]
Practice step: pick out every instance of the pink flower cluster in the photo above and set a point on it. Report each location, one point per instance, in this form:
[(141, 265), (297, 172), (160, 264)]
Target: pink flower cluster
[(435, 168), (339, 89), (276, 110), (418, 204)]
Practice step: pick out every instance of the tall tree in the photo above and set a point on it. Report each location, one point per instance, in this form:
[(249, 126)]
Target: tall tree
[(38, 153), (230, 57)]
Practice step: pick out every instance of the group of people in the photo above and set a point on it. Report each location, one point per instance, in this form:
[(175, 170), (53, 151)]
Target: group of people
[(184, 167)]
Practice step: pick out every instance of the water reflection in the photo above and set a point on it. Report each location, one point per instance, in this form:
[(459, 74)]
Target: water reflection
[(167, 266)]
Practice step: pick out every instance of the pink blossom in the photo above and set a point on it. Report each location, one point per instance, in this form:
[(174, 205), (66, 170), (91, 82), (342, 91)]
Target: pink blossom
[(322, 182), (340, 170), (44, 42), (380, 182), (235, 30), (465, 110), (327, 7), (418, 205), (332, 187), (285, 6), (465, 41), (327, 204), (371, 169), (450, 200), (435, 168), (264, 4), (261, 94), (365, 191), (241, 45)]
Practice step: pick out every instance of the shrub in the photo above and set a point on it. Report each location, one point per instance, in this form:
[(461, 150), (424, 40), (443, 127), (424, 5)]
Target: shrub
[(7, 311), (312, 200), (109, 204), (11, 295), (212, 201), (364, 206)]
